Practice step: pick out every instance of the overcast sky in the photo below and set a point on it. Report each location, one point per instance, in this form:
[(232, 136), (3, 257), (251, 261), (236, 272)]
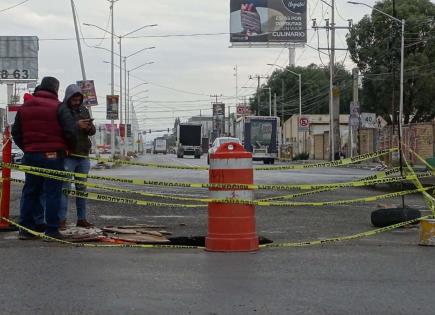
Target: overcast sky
[(187, 70)]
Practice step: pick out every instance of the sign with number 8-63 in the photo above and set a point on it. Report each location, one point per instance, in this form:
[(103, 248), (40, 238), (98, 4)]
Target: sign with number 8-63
[(18, 58)]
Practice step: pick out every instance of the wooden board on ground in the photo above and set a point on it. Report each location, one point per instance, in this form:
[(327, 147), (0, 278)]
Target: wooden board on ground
[(142, 226), (117, 230), (140, 238)]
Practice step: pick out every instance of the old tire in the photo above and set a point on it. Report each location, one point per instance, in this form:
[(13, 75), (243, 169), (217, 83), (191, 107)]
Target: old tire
[(387, 217)]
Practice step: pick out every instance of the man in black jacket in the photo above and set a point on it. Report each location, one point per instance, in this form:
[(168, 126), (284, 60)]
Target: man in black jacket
[(77, 161)]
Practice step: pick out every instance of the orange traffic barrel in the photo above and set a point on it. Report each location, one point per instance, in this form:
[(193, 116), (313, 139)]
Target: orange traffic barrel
[(427, 232), (231, 226)]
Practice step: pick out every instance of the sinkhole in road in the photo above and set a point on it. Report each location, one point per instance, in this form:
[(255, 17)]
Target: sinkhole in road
[(199, 241)]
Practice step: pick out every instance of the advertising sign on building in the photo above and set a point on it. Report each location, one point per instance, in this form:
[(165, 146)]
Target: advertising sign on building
[(88, 90), (112, 102), (268, 21), (19, 58), (218, 119)]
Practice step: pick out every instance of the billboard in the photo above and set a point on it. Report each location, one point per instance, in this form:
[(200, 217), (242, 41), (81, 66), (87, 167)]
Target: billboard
[(218, 119), (268, 21), (88, 90), (112, 112), (19, 58)]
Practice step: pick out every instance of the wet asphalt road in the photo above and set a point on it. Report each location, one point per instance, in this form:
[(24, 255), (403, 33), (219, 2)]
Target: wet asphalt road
[(386, 274)]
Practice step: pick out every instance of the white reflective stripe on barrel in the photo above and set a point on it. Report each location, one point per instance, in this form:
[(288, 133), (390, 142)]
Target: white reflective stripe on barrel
[(232, 194), (222, 164)]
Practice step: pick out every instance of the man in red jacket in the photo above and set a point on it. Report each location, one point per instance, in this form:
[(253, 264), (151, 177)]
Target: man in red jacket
[(44, 141)]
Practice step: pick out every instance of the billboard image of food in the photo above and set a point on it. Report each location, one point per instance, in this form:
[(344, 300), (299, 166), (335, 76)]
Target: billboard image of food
[(268, 21)]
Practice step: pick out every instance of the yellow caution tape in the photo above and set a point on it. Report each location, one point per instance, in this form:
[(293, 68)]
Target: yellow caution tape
[(318, 188), (89, 245), (276, 245), (357, 183), (343, 202), (127, 201), (122, 200), (428, 198), (430, 167), (379, 175), (151, 165), (342, 162), (118, 189), (345, 238)]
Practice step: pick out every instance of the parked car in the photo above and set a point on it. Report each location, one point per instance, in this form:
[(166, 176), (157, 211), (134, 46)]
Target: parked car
[(218, 142), (17, 154)]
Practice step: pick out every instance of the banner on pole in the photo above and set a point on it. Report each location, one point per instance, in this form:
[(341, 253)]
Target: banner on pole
[(88, 90), (112, 102)]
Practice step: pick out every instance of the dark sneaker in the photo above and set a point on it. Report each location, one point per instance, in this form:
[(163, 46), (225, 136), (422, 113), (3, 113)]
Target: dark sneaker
[(40, 228), (84, 224), (26, 236)]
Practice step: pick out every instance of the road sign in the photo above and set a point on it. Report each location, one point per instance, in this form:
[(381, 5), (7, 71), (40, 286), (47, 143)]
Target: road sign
[(303, 124), (368, 120)]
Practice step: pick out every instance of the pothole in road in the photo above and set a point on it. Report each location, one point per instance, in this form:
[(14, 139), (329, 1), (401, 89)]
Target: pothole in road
[(199, 241)]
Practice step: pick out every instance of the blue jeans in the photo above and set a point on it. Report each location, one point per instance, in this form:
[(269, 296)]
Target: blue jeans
[(76, 165), (38, 209), (37, 189)]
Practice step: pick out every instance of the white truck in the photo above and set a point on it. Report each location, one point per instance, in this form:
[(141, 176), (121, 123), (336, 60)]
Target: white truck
[(260, 135), (160, 146)]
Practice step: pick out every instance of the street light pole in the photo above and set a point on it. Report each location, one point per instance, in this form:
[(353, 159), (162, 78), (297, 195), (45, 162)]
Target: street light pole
[(120, 37), (112, 77), (122, 145)]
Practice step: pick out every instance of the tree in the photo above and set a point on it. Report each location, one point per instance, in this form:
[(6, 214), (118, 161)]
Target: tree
[(374, 44), (315, 91)]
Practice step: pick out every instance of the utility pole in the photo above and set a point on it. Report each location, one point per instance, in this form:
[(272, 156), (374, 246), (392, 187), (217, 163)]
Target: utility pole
[(82, 64), (292, 55), (275, 110), (122, 145), (79, 45), (282, 110), (216, 97), (355, 74), (258, 77), (236, 74), (331, 86), (112, 76), (334, 122)]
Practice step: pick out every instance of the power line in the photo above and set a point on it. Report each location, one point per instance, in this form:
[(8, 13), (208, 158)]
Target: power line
[(14, 6)]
